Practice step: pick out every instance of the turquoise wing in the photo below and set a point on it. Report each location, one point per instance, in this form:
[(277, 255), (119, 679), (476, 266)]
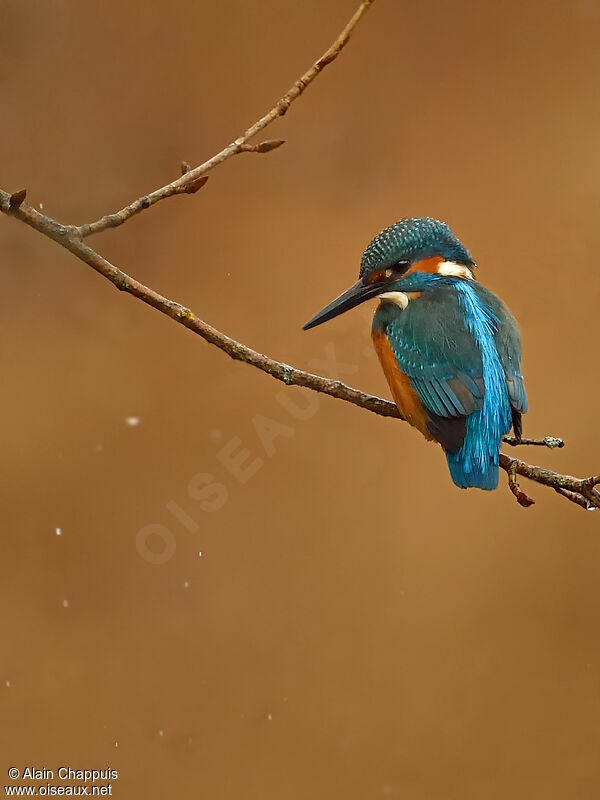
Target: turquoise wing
[(450, 342), (440, 356)]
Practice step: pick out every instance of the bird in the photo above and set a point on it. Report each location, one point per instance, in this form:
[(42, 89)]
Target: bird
[(450, 349)]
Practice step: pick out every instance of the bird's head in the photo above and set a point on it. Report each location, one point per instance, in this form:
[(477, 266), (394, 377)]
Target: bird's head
[(395, 260)]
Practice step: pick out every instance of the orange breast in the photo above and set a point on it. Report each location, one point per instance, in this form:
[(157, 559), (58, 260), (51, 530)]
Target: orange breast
[(404, 395)]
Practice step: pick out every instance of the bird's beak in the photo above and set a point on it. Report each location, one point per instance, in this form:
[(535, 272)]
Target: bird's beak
[(352, 297)]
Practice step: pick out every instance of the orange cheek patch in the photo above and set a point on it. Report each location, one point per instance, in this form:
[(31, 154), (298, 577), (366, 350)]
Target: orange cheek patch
[(403, 393), (426, 265)]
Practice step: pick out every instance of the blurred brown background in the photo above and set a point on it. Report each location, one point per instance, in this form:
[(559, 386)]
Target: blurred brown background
[(356, 626)]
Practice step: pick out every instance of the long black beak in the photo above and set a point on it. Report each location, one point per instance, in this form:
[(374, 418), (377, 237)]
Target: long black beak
[(354, 296)]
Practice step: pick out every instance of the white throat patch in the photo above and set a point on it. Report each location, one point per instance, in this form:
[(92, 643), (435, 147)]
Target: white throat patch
[(399, 298), (455, 270)]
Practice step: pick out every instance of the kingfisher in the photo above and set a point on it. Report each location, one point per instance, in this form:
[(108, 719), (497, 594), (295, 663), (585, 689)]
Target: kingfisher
[(449, 348)]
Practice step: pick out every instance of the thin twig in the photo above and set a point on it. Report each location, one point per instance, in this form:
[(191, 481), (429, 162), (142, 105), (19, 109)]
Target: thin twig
[(577, 498), (565, 485), (548, 441), (523, 498), (179, 185)]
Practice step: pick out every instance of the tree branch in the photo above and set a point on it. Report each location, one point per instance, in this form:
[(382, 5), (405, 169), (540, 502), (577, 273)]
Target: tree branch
[(581, 491), (280, 108)]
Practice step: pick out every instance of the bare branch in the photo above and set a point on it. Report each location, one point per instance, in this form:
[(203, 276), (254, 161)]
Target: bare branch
[(565, 485), (239, 145), (581, 491), (64, 235)]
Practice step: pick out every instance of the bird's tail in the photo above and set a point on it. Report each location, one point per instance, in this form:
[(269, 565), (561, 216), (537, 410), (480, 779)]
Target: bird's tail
[(469, 473)]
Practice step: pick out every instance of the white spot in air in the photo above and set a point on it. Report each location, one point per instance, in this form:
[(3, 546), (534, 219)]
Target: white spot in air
[(186, 584), (58, 531), (161, 732), (133, 422), (269, 716), (199, 553), (7, 684), (116, 744), (65, 603), (41, 206)]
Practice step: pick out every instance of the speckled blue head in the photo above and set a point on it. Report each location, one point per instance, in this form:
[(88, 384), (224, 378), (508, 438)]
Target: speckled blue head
[(396, 252), (413, 240)]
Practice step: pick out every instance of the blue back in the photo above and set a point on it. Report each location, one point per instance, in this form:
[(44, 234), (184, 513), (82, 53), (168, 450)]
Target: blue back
[(476, 463), (461, 349)]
